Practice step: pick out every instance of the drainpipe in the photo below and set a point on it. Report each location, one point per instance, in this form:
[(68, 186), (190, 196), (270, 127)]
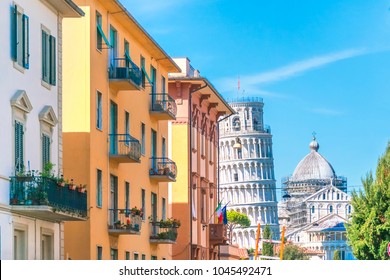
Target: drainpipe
[(218, 122), (190, 149)]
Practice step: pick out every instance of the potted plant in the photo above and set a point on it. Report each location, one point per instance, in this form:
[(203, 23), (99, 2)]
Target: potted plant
[(71, 186), (61, 182), (117, 224)]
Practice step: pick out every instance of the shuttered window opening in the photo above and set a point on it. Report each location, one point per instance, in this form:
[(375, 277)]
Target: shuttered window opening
[(19, 147), (20, 47), (45, 150), (48, 58)]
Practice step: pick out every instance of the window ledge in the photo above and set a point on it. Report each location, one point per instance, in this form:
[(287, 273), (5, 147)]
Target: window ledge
[(18, 67), (46, 85)]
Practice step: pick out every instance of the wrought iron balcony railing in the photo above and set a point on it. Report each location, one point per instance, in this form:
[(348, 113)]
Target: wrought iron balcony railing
[(43, 197), (163, 106), (124, 221), (124, 148), (124, 74), (163, 232), (163, 169)]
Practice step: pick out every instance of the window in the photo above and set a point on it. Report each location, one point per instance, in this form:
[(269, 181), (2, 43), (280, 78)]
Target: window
[(153, 258), (20, 37), (143, 138), (163, 208), (163, 147), (99, 188), (99, 252), (48, 57), (99, 111), (143, 257), (113, 44), (19, 146), (203, 208), (127, 195), (20, 245), (114, 254), (47, 246), (45, 150), (143, 74), (127, 128), (143, 203), (194, 138), (99, 33), (194, 202), (163, 80), (203, 144), (236, 124), (330, 209), (312, 209), (153, 206), (127, 255), (136, 256), (235, 177), (153, 75)]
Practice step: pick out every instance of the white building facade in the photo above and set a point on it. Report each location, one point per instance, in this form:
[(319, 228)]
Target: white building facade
[(316, 206), (30, 115), (247, 179)]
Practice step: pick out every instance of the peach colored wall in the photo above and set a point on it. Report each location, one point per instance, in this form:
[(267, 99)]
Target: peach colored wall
[(137, 103)]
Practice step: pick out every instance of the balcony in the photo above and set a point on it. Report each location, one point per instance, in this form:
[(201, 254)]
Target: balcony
[(217, 234), (124, 75), (124, 222), (164, 231), (124, 148), (163, 170), (43, 198), (163, 107)]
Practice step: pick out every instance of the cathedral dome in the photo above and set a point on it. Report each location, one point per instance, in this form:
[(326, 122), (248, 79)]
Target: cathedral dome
[(313, 166)]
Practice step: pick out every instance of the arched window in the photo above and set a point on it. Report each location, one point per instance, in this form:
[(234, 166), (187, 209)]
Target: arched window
[(312, 209), (236, 124), (330, 209)]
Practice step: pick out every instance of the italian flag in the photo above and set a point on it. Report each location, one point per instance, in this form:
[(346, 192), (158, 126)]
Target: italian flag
[(218, 210)]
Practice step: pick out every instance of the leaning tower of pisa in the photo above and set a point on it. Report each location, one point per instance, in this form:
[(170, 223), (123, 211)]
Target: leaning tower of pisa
[(247, 180)]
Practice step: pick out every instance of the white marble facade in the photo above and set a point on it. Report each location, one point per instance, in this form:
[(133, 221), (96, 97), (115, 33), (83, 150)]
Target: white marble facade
[(247, 178)]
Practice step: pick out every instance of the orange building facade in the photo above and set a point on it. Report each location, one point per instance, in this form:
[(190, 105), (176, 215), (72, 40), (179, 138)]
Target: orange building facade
[(195, 151), (116, 135)]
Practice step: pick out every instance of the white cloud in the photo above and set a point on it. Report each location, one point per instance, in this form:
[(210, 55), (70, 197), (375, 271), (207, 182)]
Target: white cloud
[(253, 81), (326, 111)]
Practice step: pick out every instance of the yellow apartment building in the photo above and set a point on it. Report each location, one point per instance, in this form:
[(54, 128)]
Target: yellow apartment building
[(116, 135), (195, 151)]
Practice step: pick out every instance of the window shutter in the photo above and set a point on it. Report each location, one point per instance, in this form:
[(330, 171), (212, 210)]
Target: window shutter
[(26, 43), (19, 161), (45, 76), (52, 42), (45, 150), (14, 32)]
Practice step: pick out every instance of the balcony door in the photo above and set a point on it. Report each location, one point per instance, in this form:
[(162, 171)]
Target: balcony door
[(153, 78), (113, 128), (154, 210), (153, 148), (114, 46), (114, 198)]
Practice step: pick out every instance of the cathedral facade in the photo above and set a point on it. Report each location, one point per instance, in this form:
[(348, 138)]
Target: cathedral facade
[(315, 207)]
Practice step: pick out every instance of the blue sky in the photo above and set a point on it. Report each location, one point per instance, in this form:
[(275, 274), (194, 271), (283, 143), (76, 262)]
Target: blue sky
[(320, 66)]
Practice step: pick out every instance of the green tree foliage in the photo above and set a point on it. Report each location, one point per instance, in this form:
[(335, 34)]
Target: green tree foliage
[(268, 248), (369, 230), (336, 255), (236, 219), (294, 252)]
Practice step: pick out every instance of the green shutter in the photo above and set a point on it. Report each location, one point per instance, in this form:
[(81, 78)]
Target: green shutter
[(52, 43), (14, 33), (19, 160), (26, 43), (146, 75), (100, 30), (45, 76), (45, 150)]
